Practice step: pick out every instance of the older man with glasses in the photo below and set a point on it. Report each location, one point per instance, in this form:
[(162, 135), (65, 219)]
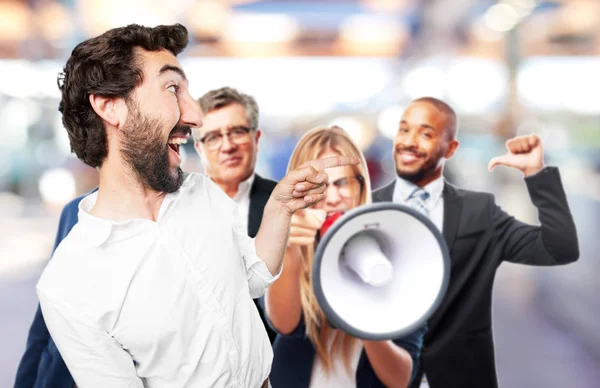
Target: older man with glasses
[(228, 145)]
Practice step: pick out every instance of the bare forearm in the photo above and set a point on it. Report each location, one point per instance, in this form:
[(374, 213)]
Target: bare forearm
[(391, 363), (272, 236), (282, 299)]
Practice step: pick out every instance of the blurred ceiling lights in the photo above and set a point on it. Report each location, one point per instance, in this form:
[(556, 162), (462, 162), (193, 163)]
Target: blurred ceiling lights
[(15, 21), (207, 19), (389, 5), (377, 35), (97, 16), (54, 20), (254, 34)]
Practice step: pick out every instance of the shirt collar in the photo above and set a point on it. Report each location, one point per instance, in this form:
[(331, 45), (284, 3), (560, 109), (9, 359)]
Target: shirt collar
[(100, 229), (244, 187), (403, 189)]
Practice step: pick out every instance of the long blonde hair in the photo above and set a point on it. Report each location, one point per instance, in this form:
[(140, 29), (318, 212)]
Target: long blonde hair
[(311, 146)]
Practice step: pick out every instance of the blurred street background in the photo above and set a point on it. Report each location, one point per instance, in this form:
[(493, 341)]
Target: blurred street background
[(508, 67)]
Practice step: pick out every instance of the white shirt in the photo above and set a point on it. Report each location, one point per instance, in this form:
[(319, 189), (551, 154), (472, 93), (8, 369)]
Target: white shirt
[(174, 295), (434, 204), (242, 199), (337, 376)]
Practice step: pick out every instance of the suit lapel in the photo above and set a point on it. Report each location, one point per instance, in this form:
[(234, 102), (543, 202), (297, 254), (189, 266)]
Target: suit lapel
[(385, 194), (258, 200), (452, 210)]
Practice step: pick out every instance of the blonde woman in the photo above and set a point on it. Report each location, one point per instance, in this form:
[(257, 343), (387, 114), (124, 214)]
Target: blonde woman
[(308, 352)]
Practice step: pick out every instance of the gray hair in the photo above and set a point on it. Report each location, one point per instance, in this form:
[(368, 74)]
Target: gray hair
[(220, 98)]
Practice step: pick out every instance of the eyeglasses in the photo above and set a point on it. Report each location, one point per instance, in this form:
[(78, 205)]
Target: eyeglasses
[(347, 187), (237, 135)]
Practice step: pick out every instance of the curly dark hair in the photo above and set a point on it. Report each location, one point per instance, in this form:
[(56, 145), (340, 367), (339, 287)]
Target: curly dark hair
[(107, 66)]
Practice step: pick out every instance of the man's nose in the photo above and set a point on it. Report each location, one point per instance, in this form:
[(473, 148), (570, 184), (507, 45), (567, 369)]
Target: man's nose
[(227, 145), (191, 114), (409, 140)]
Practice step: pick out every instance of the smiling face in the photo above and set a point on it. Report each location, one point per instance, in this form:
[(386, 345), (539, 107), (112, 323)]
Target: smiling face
[(234, 159), (422, 143), (160, 114)]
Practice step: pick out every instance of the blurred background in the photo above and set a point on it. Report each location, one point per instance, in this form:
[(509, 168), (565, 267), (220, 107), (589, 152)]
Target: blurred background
[(508, 67)]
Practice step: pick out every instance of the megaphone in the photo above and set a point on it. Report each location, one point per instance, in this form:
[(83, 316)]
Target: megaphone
[(380, 271)]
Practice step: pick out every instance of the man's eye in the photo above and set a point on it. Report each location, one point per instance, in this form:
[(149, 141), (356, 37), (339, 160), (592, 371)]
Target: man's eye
[(173, 89)]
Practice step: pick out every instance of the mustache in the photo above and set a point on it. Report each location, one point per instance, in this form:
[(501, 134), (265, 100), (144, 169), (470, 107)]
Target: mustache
[(181, 130), (412, 150)]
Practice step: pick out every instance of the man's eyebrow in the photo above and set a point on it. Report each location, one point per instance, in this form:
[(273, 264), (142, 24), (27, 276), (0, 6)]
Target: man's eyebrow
[(214, 131), (231, 128), (422, 125), (176, 69)]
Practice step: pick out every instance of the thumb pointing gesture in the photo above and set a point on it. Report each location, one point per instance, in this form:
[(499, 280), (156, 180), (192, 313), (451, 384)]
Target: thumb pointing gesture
[(525, 153)]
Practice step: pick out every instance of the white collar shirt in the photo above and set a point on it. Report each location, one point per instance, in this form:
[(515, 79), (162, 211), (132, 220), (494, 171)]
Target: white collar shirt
[(242, 198), (164, 303), (434, 205)]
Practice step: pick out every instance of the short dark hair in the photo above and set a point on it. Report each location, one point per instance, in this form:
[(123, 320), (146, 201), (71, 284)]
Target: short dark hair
[(222, 97), (107, 66), (441, 106)]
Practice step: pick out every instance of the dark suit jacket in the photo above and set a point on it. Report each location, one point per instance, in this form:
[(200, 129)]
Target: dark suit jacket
[(458, 348), (42, 365), (259, 195)]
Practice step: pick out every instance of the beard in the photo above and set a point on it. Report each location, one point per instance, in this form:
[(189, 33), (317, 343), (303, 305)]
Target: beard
[(147, 154), (429, 166)]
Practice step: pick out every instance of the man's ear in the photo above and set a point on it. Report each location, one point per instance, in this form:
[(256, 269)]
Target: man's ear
[(257, 136), (452, 146), (107, 109)]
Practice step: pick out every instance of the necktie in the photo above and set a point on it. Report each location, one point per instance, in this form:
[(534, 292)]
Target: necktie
[(418, 199)]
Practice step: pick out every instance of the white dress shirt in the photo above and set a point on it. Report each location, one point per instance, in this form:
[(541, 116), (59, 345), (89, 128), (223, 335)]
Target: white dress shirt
[(174, 295), (434, 204), (242, 199)]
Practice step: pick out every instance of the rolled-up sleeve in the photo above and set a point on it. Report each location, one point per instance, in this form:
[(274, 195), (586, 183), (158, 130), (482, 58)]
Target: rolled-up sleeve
[(258, 274), (93, 357)]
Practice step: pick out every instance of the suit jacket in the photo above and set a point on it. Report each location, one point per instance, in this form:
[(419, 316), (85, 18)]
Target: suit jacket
[(42, 365), (259, 195), (458, 348)]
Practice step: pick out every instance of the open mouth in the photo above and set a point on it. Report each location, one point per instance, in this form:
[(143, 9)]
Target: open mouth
[(175, 141), (178, 136)]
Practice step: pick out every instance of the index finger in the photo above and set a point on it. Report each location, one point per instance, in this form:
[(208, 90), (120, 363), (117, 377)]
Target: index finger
[(332, 161)]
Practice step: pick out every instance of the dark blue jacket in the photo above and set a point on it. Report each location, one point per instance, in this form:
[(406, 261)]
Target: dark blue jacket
[(42, 365), (293, 357)]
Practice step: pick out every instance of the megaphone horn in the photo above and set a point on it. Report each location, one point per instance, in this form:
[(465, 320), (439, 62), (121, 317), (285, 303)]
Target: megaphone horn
[(380, 271)]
